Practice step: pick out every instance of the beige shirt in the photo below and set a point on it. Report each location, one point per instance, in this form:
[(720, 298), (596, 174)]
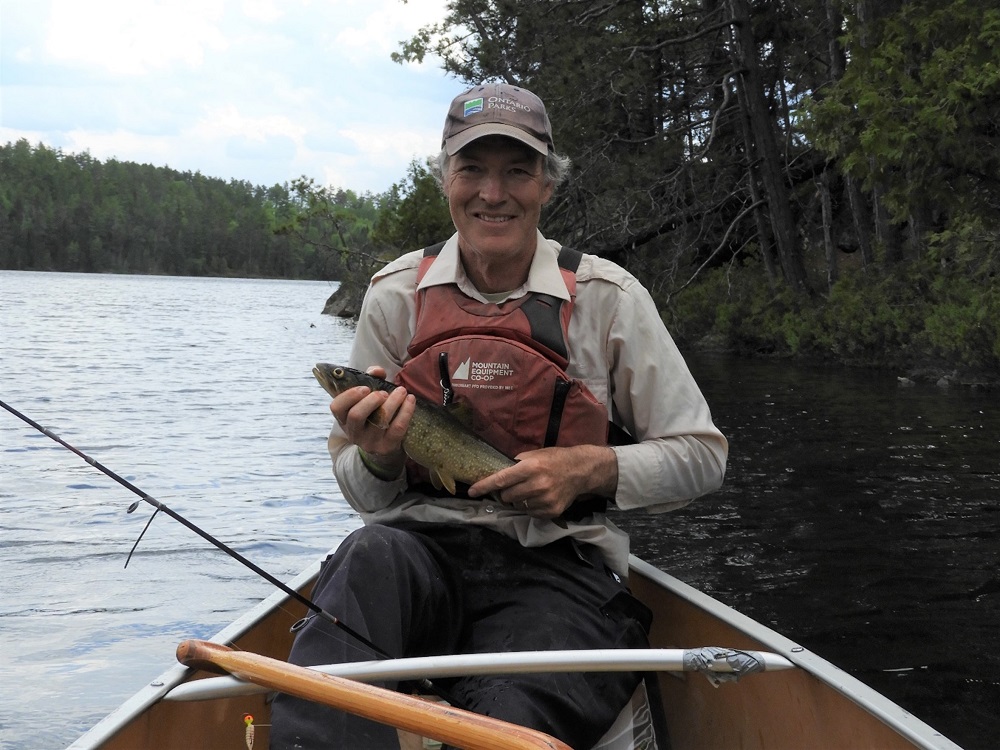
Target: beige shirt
[(619, 348)]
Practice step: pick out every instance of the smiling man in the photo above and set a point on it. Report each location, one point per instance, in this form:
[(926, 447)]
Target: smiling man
[(550, 351)]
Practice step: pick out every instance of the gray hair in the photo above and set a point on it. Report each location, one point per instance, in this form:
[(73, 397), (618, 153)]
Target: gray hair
[(555, 167)]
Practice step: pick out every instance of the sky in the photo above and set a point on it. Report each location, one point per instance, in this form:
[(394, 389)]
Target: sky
[(257, 90)]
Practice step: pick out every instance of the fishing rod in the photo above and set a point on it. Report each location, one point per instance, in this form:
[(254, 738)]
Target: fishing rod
[(319, 611), (197, 530)]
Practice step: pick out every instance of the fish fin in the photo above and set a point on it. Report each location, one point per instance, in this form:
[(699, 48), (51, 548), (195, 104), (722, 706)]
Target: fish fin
[(440, 480), (379, 419)]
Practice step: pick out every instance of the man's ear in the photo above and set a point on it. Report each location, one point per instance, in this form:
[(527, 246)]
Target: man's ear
[(547, 191)]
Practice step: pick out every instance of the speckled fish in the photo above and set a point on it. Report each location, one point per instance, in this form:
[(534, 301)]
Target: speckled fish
[(436, 439)]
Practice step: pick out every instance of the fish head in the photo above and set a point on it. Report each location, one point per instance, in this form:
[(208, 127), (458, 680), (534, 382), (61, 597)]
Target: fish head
[(336, 379)]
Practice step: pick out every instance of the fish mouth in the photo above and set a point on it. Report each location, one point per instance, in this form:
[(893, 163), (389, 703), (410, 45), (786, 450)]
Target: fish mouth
[(330, 385)]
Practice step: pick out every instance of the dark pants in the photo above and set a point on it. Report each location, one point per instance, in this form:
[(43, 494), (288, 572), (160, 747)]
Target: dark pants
[(429, 589)]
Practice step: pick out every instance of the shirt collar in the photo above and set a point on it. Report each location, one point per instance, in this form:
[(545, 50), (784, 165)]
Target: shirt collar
[(544, 275)]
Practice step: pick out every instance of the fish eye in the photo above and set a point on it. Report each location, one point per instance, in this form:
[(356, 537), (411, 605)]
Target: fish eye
[(338, 372)]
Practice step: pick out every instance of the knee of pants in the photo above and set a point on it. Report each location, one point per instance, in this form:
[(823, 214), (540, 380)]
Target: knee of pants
[(369, 556), (382, 568), (376, 542), (388, 584)]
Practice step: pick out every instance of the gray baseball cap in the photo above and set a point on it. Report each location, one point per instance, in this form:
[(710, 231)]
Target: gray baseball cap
[(497, 109)]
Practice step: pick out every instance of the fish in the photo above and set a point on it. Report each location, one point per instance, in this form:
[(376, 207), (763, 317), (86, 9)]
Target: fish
[(438, 439)]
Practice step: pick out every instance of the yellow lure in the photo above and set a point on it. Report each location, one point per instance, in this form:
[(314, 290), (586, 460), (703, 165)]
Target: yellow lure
[(251, 730)]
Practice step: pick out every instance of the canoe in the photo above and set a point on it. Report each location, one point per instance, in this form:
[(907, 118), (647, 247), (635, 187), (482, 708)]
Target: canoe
[(810, 704)]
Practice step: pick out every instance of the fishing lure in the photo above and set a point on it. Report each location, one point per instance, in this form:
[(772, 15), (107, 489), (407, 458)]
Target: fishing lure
[(251, 731)]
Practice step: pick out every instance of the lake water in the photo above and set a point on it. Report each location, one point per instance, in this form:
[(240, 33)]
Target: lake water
[(859, 518), (200, 392)]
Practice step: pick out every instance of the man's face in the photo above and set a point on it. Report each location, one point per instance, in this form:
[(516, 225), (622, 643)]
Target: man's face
[(496, 188)]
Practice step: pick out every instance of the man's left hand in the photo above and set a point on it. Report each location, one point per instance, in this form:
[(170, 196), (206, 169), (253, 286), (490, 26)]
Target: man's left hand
[(544, 483)]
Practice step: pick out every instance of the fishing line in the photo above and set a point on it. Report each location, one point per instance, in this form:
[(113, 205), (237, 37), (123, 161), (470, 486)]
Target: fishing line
[(145, 528), (425, 684)]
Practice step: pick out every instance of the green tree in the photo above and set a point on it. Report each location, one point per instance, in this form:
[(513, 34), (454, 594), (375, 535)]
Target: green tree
[(75, 213), (682, 159), (915, 116), (413, 213), (333, 226)]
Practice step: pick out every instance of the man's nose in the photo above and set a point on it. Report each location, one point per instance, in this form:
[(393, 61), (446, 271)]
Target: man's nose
[(493, 189)]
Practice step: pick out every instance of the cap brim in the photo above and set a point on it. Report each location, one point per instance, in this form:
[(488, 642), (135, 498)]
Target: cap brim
[(460, 140)]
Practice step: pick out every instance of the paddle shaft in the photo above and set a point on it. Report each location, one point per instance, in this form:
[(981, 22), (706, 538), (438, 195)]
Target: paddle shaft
[(433, 720)]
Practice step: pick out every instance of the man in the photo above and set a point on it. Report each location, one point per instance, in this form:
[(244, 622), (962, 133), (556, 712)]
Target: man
[(545, 347)]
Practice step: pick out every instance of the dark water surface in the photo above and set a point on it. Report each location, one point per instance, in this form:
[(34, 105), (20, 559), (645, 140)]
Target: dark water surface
[(861, 519), (858, 518)]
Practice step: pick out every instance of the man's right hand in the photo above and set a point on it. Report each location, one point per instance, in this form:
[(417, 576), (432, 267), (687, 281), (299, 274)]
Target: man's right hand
[(376, 421)]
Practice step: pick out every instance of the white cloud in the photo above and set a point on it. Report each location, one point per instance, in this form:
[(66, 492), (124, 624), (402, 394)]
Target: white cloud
[(122, 145), (384, 25), (265, 11), (258, 90), (129, 37), (227, 122), (389, 146)]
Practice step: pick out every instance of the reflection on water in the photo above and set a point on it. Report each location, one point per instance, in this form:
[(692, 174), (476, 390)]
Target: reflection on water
[(859, 519)]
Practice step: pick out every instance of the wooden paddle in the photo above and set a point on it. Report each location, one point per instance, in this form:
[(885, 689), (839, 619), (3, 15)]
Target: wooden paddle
[(433, 720)]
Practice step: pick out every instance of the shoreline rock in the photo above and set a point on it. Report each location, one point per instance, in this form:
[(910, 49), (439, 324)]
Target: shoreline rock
[(345, 302)]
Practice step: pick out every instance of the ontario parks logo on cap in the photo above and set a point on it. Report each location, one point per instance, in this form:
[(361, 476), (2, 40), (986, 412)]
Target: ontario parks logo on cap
[(473, 106)]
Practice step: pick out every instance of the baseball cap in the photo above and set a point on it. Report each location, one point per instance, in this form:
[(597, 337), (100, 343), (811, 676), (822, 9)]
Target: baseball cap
[(497, 109)]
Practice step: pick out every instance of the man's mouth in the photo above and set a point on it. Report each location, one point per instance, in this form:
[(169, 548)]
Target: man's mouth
[(494, 219)]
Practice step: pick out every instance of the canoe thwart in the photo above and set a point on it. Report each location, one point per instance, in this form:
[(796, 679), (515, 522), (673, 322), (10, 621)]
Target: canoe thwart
[(710, 660)]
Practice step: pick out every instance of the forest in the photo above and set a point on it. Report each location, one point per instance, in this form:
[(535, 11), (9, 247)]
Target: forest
[(816, 179)]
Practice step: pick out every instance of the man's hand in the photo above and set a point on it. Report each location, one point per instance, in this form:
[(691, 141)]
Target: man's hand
[(376, 421), (544, 483)]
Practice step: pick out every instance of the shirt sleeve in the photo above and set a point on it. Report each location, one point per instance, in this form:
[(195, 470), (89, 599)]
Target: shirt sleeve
[(680, 454)]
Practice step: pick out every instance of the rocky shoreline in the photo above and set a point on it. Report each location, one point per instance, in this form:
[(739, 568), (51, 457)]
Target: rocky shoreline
[(345, 302)]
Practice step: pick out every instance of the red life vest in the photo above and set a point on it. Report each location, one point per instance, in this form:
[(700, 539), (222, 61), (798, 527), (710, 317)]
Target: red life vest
[(506, 364)]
